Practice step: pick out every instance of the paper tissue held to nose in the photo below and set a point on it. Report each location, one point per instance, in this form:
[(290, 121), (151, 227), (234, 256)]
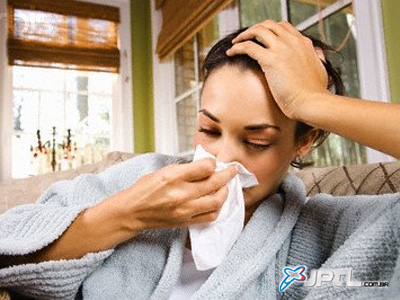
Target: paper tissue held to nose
[(211, 242)]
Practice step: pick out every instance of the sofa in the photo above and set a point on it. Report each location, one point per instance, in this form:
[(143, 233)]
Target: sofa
[(369, 179)]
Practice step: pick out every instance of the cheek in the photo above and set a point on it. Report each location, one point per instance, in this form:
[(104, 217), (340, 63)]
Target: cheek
[(269, 170), (273, 165)]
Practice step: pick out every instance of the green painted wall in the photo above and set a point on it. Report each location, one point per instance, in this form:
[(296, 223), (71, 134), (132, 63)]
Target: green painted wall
[(391, 23), (142, 76)]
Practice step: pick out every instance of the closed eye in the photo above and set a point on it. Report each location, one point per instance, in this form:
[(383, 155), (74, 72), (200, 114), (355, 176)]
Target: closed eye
[(209, 132), (253, 146), (256, 146)]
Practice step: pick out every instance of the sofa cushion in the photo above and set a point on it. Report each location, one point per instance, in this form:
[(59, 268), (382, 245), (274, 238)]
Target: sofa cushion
[(369, 179)]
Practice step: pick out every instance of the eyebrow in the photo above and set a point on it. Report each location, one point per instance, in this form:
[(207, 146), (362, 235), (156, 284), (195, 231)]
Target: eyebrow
[(208, 114), (248, 127), (261, 127)]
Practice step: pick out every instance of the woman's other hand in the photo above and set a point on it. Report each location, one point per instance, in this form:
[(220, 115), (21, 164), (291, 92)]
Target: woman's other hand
[(298, 81), (291, 64)]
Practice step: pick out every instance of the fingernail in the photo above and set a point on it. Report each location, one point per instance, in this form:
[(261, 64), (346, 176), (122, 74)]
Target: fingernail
[(228, 52)]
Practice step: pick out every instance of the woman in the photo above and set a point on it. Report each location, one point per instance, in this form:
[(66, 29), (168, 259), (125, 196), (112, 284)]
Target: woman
[(122, 233)]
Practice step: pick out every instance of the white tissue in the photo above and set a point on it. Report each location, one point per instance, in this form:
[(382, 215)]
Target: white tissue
[(211, 242)]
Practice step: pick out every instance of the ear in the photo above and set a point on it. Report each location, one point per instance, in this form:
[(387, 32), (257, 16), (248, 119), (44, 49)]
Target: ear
[(320, 53), (306, 142)]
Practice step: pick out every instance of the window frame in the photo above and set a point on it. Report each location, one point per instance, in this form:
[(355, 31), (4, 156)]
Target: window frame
[(164, 83), (194, 91), (122, 106), (373, 73)]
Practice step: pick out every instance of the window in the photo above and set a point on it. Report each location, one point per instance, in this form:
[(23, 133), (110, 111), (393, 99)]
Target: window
[(363, 72), (61, 115), (43, 99), (108, 95), (252, 12)]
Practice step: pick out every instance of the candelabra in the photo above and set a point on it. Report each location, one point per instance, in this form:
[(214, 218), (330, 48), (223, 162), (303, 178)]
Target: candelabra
[(53, 156)]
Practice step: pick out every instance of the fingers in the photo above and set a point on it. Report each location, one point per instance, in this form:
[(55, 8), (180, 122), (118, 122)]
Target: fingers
[(209, 203), (214, 183), (208, 208), (199, 169), (264, 35), (267, 31), (253, 50), (203, 218), (290, 28), (193, 180), (193, 171), (200, 210), (276, 37)]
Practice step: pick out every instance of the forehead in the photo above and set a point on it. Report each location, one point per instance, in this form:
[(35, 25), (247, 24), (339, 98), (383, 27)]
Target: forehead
[(241, 95)]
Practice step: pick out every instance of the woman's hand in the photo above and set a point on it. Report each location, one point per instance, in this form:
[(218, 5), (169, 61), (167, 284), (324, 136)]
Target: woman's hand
[(298, 81), (176, 196), (291, 64)]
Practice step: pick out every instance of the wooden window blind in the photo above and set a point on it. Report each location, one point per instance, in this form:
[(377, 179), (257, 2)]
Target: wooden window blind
[(64, 34), (182, 19)]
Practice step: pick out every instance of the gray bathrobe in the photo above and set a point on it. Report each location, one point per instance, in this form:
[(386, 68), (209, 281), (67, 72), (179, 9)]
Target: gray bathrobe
[(361, 233)]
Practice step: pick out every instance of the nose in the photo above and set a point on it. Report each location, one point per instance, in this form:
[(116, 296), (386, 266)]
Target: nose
[(227, 151)]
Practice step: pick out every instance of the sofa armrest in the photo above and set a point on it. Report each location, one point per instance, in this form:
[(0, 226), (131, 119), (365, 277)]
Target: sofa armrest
[(23, 191)]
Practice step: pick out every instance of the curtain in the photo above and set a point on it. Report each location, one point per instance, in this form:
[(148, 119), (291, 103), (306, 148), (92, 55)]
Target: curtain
[(63, 34), (182, 19)]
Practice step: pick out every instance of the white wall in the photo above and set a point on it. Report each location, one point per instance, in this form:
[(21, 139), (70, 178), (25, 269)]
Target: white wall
[(163, 93), (5, 98)]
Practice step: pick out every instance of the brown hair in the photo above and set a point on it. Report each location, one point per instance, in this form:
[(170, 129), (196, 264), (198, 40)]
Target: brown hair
[(217, 57)]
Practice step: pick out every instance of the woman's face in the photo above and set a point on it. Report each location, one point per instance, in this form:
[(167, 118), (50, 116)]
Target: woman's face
[(240, 121)]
